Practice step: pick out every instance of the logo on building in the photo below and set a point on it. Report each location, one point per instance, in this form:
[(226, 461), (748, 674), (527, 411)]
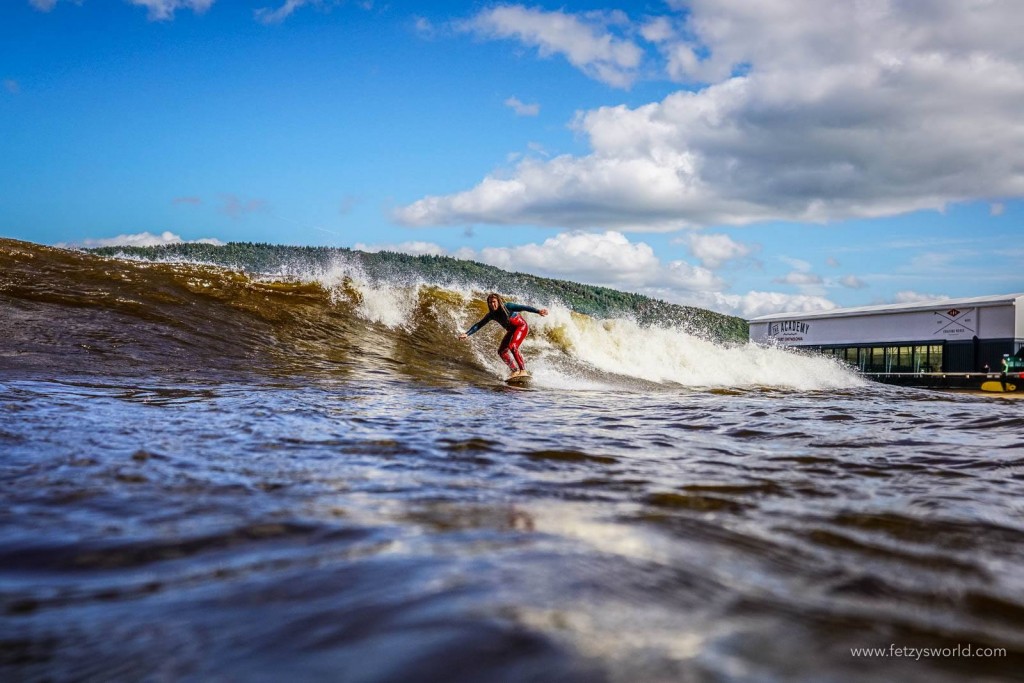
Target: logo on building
[(955, 323), (788, 330)]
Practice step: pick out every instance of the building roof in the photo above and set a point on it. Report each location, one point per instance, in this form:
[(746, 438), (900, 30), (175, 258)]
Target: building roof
[(998, 300)]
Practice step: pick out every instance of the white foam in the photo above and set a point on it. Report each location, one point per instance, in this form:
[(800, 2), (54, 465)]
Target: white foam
[(389, 306), (662, 355)]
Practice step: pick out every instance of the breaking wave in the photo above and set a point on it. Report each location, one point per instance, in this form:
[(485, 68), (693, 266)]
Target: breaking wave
[(73, 311)]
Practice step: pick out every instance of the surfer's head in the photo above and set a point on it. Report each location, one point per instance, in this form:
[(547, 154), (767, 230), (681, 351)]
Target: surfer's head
[(496, 303)]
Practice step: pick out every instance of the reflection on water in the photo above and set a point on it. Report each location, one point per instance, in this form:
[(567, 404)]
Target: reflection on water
[(342, 529), (212, 475)]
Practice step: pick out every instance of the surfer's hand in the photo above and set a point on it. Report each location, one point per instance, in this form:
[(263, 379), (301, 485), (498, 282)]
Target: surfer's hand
[(543, 311), (463, 336)]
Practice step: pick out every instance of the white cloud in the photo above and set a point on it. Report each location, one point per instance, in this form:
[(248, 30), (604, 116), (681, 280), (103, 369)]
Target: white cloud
[(522, 109), (796, 264), (612, 260), (267, 16), (714, 250), (852, 282), (606, 258), (832, 262), (142, 239), (909, 296), (996, 209), (163, 10), (43, 5), (799, 278), (657, 30), (584, 40), (424, 27), (803, 118), (754, 304)]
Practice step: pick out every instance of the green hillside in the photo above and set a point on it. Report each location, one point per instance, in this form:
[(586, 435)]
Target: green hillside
[(599, 302)]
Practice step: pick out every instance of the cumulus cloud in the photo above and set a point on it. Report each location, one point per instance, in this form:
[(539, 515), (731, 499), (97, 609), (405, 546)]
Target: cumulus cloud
[(657, 30), (584, 40), (714, 250), (599, 258), (163, 10), (612, 260), (141, 239), (522, 109), (607, 259), (805, 113)]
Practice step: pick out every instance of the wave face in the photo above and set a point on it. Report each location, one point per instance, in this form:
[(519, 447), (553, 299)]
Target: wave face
[(72, 311)]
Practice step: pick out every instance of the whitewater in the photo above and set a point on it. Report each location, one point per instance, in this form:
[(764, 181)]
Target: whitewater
[(230, 474), (573, 351)]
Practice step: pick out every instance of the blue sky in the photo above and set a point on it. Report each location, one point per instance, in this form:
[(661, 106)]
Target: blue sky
[(747, 157)]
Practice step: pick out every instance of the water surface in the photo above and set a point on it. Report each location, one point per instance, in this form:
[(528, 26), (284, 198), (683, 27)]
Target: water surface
[(199, 482)]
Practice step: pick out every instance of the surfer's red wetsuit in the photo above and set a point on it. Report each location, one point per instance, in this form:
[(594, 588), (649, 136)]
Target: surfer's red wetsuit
[(516, 329), (511, 341)]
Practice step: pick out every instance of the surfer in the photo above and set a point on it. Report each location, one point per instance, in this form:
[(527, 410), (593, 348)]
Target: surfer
[(516, 329)]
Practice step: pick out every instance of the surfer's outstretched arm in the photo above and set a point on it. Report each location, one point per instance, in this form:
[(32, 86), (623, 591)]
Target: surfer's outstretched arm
[(523, 308), (480, 323)]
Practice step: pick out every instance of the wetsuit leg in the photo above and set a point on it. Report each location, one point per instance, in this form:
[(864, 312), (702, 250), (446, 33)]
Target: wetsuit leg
[(503, 350), (518, 335)]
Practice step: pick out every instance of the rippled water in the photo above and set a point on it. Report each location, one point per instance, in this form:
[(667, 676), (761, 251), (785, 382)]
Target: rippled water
[(373, 528)]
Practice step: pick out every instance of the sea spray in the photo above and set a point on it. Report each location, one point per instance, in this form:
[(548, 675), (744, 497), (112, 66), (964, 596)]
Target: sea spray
[(569, 350)]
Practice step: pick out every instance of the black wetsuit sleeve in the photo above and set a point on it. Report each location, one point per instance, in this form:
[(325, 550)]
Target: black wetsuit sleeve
[(483, 321), (520, 308)]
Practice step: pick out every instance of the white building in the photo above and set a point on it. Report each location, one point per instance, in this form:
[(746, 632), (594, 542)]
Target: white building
[(951, 335)]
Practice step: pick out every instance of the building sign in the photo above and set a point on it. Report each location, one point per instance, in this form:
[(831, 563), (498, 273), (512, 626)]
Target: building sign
[(788, 331), (956, 323), (936, 324)]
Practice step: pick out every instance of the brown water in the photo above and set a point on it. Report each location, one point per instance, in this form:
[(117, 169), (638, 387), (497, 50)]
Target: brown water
[(209, 476)]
